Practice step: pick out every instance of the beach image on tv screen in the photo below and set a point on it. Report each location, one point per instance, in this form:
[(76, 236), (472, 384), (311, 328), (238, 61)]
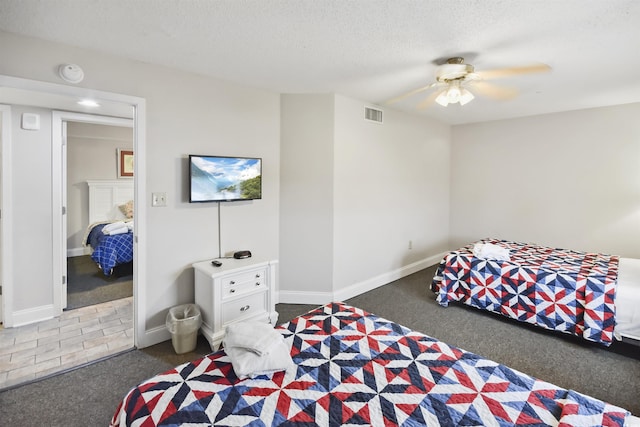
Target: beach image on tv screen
[(225, 178)]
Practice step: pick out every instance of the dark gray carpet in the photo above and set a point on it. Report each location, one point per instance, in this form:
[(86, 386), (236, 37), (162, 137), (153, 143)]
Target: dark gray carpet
[(90, 395), (87, 285)]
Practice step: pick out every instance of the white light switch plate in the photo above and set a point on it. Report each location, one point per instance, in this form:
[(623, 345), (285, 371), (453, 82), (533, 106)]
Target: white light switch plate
[(158, 199)]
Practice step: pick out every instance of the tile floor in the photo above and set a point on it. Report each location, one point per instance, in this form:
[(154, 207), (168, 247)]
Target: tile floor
[(76, 337)]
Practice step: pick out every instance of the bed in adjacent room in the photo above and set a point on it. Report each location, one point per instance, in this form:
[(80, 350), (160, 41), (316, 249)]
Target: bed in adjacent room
[(590, 295), (350, 367), (110, 230)]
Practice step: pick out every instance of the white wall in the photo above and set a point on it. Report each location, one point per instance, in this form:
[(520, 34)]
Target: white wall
[(186, 113), (306, 202), (568, 180), (391, 186), (31, 205), (355, 193)]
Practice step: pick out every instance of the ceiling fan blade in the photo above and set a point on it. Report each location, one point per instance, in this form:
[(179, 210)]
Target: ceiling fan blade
[(430, 100), (491, 91), (408, 94), (513, 71)]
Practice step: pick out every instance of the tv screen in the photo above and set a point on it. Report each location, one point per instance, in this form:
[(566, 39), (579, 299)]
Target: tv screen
[(218, 178)]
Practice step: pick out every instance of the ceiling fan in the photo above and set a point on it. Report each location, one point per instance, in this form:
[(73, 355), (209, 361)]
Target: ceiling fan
[(454, 79)]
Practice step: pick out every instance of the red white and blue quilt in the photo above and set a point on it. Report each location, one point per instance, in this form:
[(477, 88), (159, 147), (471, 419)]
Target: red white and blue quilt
[(354, 368), (559, 289)]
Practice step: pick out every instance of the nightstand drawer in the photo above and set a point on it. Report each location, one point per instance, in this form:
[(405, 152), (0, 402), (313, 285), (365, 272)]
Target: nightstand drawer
[(244, 307), (238, 284)]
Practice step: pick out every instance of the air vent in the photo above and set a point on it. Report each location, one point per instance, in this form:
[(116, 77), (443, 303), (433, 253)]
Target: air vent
[(373, 115)]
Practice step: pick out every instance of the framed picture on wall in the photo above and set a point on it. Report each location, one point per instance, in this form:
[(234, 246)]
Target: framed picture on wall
[(125, 163)]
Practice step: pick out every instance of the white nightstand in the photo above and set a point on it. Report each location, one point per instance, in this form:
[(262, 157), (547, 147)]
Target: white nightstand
[(239, 290)]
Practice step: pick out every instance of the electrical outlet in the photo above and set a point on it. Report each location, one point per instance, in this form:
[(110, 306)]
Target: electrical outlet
[(158, 199)]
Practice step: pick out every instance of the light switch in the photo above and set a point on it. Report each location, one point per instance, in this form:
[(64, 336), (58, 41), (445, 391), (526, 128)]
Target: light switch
[(158, 199)]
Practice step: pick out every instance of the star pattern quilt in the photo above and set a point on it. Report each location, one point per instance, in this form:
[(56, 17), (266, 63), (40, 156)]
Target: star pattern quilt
[(559, 289), (354, 368)]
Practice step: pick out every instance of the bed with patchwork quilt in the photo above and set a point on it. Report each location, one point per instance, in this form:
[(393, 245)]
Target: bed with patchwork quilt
[(352, 368), (559, 289)]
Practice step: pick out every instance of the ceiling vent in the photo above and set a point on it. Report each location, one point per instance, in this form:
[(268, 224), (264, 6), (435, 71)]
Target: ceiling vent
[(373, 114)]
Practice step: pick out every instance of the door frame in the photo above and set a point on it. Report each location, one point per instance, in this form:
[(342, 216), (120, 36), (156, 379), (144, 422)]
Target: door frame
[(6, 232), (139, 143), (59, 120)]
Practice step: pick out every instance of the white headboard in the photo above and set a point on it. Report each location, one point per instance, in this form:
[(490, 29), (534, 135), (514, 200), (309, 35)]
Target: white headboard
[(105, 196)]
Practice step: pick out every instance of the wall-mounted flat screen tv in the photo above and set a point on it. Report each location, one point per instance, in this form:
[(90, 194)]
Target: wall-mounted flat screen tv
[(224, 179)]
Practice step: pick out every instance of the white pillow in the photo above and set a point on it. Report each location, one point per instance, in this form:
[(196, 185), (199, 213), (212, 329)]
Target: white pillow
[(127, 209)]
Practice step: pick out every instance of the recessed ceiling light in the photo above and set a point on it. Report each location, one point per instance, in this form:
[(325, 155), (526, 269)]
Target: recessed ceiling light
[(88, 103)]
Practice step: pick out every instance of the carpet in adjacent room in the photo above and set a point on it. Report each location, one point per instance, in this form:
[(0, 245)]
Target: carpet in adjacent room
[(87, 284)]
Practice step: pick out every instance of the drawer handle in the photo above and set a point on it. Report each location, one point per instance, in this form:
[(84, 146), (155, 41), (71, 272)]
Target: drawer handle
[(245, 308), (257, 283), (258, 276), (232, 282), (232, 290)]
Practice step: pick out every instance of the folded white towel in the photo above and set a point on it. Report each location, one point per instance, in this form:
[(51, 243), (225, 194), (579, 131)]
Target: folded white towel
[(116, 230), (491, 251), (113, 226), (246, 363), (129, 225), (254, 336)]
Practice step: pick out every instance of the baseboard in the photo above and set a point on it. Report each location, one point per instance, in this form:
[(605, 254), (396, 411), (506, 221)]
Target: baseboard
[(319, 298), (153, 336), (33, 315), (383, 279), (301, 297), (78, 252)]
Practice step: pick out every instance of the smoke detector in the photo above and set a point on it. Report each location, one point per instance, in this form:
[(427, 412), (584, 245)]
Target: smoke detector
[(71, 73)]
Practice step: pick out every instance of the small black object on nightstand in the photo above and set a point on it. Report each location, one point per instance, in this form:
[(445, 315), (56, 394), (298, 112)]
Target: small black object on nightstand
[(216, 263), (242, 254)]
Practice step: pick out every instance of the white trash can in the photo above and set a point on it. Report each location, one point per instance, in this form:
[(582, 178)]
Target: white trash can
[(183, 322)]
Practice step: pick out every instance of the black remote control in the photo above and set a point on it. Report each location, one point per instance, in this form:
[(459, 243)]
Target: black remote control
[(216, 263)]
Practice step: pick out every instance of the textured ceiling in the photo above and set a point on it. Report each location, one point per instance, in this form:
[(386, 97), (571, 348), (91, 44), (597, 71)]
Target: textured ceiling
[(370, 50)]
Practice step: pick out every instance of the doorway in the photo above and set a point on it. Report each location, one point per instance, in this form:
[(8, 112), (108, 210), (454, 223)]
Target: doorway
[(92, 154), (89, 147), (15, 316)]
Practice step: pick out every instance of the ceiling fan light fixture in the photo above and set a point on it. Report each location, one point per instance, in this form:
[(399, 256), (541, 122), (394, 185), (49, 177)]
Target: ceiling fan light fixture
[(465, 97), (442, 99), (454, 76), (454, 94)]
